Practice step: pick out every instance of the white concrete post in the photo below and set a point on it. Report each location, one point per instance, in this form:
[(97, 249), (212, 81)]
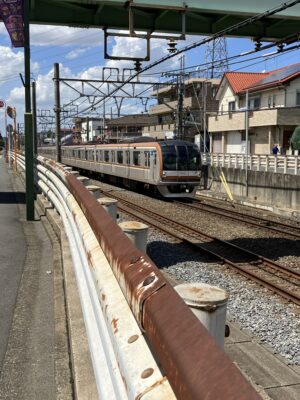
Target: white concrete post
[(209, 304)]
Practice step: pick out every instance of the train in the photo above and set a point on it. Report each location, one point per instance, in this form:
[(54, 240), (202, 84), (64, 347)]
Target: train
[(170, 167)]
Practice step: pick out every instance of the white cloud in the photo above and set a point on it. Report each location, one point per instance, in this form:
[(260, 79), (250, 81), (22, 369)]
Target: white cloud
[(76, 53), (12, 63), (49, 35)]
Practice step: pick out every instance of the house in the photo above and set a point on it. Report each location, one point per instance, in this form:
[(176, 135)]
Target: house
[(198, 101), (128, 127), (92, 128), (272, 115)]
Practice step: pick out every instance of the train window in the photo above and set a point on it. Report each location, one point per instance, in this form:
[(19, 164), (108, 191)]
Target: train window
[(101, 155), (120, 156), (182, 159), (136, 157), (194, 158), (169, 158), (106, 155)]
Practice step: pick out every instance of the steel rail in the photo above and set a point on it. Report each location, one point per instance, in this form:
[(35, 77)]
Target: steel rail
[(279, 289), (238, 216)]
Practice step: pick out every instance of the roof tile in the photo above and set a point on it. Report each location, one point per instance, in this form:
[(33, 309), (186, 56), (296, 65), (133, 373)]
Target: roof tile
[(241, 80)]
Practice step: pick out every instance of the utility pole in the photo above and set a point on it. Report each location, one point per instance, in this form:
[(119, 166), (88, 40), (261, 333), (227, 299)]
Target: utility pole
[(57, 112), (15, 139), (34, 120), (247, 134), (103, 122), (204, 95), (87, 129), (28, 121), (180, 85)]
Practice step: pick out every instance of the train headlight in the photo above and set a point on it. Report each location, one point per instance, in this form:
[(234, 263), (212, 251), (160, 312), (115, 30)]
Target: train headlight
[(164, 173)]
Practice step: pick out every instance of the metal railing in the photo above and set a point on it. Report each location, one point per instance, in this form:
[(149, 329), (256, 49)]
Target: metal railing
[(130, 311), (267, 163)]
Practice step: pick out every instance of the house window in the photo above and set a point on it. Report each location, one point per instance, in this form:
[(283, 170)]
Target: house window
[(298, 98), (269, 101), (254, 103), (231, 106)]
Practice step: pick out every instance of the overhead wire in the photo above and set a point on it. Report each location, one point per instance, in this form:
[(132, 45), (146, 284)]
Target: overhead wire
[(221, 33)]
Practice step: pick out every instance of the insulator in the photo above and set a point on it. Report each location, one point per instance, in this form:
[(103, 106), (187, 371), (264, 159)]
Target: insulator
[(137, 65), (280, 47), (172, 46), (257, 45)]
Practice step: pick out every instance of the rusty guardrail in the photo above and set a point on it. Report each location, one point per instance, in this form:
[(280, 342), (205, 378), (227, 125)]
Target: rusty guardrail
[(193, 363)]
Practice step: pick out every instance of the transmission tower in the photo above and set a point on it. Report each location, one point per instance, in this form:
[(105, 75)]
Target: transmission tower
[(216, 58)]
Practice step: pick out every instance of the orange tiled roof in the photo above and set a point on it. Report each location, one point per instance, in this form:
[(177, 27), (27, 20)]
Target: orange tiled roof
[(241, 80)]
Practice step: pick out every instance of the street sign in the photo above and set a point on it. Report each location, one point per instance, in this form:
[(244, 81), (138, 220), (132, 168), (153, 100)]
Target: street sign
[(9, 128), (11, 112), (2, 103)]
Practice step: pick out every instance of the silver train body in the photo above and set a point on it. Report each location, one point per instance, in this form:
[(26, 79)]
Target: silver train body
[(171, 167)]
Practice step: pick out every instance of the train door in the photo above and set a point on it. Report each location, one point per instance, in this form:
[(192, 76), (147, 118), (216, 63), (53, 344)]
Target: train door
[(153, 165), (127, 162)]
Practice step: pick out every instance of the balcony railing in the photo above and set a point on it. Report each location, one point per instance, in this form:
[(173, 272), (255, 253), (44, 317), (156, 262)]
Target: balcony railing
[(277, 164), (235, 120)]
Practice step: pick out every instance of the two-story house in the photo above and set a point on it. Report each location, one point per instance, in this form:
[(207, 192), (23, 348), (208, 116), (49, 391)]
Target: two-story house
[(92, 128), (272, 115), (198, 101), (128, 127)]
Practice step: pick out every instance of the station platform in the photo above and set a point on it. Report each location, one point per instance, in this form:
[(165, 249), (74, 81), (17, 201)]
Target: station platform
[(34, 347)]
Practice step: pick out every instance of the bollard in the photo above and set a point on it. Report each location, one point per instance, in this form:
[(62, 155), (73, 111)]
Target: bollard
[(137, 233), (84, 180), (110, 205), (209, 304), (95, 190)]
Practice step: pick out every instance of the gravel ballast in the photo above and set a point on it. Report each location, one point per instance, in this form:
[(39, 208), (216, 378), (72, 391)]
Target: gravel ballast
[(265, 315)]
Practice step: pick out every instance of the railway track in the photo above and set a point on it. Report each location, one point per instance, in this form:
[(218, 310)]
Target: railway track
[(247, 219), (276, 277)]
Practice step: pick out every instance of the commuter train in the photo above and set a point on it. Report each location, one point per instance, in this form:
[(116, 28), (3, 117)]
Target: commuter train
[(170, 167)]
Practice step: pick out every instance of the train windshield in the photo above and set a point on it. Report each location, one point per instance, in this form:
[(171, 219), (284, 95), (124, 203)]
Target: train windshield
[(180, 157)]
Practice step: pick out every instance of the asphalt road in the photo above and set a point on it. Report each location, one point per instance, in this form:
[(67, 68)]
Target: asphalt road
[(12, 256)]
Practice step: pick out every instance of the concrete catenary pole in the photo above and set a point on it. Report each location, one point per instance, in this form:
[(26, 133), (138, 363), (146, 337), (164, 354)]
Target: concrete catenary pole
[(28, 121), (34, 120), (57, 112), (247, 134)]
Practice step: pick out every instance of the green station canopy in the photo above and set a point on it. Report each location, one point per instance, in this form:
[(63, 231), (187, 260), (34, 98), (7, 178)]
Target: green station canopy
[(202, 17)]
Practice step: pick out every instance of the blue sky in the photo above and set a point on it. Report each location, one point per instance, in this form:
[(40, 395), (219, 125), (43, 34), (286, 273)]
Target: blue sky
[(80, 54)]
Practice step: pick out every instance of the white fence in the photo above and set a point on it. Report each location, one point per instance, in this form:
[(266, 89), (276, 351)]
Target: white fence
[(266, 163)]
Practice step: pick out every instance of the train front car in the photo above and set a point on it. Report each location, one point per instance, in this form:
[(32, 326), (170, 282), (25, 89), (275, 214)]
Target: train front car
[(180, 169)]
